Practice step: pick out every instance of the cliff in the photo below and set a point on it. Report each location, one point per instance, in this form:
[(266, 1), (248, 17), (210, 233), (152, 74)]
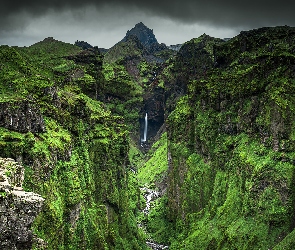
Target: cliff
[(231, 146), (18, 209), (75, 152), (131, 68)]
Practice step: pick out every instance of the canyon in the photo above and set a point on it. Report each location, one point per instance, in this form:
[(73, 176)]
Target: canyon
[(148, 146)]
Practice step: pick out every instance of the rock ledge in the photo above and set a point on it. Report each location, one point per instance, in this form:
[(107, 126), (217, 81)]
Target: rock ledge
[(18, 208)]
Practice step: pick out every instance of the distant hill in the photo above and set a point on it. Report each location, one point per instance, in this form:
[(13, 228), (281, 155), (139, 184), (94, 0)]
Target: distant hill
[(175, 47)]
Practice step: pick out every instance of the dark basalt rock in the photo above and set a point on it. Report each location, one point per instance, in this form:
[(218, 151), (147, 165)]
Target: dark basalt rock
[(21, 116), (83, 45), (154, 107), (18, 208), (144, 34)]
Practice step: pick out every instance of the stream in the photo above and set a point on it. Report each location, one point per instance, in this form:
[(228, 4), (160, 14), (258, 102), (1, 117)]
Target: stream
[(149, 196)]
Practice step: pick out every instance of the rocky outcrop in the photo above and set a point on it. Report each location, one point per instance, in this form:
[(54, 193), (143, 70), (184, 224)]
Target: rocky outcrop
[(83, 45), (21, 116), (144, 34), (18, 208), (139, 43)]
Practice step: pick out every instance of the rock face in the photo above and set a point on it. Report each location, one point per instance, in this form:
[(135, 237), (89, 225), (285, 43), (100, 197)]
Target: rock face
[(23, 116), (139, 43), (231, 143), (144, 34), (18, 208), (83, 45), (154, 107)]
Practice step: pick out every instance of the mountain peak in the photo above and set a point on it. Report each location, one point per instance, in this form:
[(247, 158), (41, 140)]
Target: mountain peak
[(140, 25), (143, 33)]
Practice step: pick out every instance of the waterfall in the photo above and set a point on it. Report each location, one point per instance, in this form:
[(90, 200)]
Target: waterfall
[(145, 128)]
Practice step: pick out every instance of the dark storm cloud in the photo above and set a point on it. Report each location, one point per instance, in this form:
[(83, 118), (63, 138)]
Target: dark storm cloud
[(247, 14)]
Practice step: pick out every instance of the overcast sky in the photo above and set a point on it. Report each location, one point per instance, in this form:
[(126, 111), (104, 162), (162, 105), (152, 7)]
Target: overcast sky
[(103, 23)]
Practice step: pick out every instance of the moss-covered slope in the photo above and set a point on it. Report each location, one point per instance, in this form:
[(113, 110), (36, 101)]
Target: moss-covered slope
[(75, 151), (231, 146)]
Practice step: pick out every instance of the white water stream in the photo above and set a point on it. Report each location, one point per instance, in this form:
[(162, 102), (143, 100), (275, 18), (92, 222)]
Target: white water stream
[(149, 196)]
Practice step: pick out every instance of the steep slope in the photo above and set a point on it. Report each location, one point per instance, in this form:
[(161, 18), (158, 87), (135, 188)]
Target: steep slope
[(140, 43), (136, 61), (75, 152), (231, 146)]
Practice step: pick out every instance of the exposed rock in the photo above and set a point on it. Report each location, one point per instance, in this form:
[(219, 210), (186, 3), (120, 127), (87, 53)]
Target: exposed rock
[(18, 208), (156, 246), (21, 116), (175, 47), (140, 42), (83, 45), (144, 34), (154, 107)]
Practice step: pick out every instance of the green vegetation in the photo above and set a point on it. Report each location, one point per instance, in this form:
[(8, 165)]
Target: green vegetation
[(78, 162), (132, 48), (3, 194), (231, 182), (224, 167), (155, 168), (123, 94)]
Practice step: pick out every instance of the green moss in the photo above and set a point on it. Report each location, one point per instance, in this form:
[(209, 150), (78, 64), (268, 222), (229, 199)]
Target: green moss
[(231, 175), (158, 226), (3, 194), (80, 163), (287, 243), (155, 169)]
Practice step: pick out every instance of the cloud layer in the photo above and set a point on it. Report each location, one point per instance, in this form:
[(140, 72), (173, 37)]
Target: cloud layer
[(231, 13), (26, 19)]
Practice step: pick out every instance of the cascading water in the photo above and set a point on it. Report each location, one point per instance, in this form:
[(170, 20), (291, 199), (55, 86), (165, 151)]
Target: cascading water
[(145, 128), (150, 195)]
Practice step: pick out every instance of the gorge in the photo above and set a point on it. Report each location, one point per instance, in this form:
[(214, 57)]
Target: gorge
[(195, 144)]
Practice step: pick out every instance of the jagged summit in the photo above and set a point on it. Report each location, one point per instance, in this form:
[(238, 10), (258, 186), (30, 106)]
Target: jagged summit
[(139, 42), (143, 33), (83, 44)]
